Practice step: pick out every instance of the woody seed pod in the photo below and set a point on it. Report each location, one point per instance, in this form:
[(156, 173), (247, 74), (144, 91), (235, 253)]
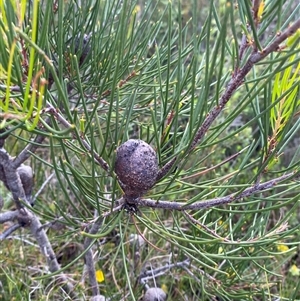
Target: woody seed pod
[(155, 294), (136, 167)]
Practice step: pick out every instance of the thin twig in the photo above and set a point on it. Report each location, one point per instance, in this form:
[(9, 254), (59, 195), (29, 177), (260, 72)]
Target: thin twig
[(144, 238), (43, 186)]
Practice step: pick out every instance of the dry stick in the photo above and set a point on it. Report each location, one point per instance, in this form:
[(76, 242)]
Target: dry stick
[(236, 81), (162, 270), (42, 187)]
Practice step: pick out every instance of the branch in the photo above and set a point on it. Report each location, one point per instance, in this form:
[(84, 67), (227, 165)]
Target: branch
[(11, 178), (42, 187), (9, 231), (213, 202), (8, 216), (281, 37), (166, 168), (236, 81)]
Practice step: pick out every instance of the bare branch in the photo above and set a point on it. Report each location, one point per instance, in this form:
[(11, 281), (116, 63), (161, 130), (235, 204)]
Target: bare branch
[(213, 202), (162, 270), (11, 178), (9, 231), (8, 216)]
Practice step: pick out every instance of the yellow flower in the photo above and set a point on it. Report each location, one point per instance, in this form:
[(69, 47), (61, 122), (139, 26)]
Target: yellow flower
[(260, 9), (137, 9), (99, 276), (294, 270), (282, 248), (164, 288)]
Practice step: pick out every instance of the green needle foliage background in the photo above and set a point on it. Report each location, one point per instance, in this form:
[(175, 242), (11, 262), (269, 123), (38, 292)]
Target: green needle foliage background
[(97, 73)]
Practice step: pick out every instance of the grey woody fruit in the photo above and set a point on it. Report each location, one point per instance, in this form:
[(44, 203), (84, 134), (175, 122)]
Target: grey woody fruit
[(27, 179), (136, 240), (136, 167), (155, 294), (98, 298), (82, 47)]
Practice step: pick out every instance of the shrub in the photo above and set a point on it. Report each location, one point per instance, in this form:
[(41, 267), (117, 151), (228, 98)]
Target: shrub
[(212, 86)]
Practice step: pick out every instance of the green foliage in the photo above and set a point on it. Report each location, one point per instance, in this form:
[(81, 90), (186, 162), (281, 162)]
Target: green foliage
[(154, 71)]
